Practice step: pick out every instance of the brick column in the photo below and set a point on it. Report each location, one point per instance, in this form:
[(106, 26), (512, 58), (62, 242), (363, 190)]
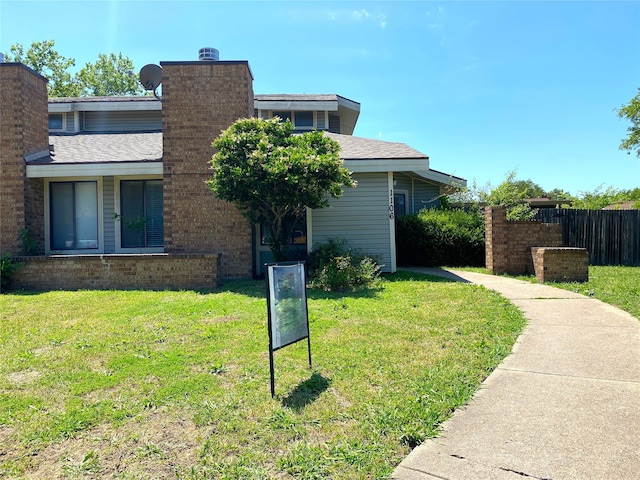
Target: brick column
[(24, 131), (200, 99), (496, 248)]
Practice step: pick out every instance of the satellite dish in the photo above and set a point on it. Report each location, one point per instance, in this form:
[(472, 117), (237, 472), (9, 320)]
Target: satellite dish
[(151, 77)]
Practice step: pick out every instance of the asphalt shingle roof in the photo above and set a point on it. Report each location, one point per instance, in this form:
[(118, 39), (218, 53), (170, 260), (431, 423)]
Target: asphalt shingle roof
[(358, 148), (147, 147), (104, 147)]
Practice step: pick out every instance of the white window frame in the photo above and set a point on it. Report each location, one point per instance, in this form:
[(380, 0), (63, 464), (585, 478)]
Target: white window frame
[(64, 122), (314, 113), (118, 225), (47, 217)]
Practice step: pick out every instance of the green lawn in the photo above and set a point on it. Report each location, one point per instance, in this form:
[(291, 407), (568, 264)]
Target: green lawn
[(619, 286), (138, 385)]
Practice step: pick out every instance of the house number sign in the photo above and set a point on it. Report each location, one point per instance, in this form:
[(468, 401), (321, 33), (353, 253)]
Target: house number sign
[(391, 205)]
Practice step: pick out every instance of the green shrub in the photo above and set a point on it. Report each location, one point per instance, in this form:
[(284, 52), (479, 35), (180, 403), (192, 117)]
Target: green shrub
[(437, 237), (7, 269), (335, 267)]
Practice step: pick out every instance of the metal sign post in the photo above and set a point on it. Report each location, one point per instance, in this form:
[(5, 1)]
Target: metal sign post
[(287, 308)]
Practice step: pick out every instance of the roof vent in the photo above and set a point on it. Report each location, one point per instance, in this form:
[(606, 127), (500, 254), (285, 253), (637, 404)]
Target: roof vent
[(208, 54)]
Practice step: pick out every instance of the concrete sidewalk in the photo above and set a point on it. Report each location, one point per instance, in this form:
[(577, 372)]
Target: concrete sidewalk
[(565, 404)]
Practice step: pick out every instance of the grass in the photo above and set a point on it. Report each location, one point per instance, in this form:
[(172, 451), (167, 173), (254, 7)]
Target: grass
[(618, 286), (133, 385)]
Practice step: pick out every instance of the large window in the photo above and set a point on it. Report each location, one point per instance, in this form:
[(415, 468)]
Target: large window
[(74, 215), (300, 120), (141, 219), (55, 121)]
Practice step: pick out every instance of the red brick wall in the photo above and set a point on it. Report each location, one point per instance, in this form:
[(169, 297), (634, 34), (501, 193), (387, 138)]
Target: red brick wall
[(560, 264), (23, 131), (118, 272), (200, 99), (34, 209), (508, 243)]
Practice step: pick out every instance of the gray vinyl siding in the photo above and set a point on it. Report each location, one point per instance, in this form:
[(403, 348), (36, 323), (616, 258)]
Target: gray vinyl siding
[(108, 209), (70, 123), (320, 121), (360, 216), (122, 121), (334, 124), (421, 194)]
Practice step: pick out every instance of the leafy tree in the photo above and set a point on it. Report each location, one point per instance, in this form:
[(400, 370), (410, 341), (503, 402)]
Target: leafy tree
[(559, 194), (42, 58), (512, 194), (631, 112), (272, 175), (599, 198), (110, 75)]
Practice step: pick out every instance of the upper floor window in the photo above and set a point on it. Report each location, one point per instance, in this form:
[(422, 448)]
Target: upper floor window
[(56, 121), (300, 120), (303, 119)]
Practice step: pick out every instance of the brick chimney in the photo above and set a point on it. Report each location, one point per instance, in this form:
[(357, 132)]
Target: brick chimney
[(24, 133), (199, 100)]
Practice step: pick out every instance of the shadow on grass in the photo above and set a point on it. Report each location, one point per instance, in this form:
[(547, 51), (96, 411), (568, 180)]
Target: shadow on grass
[(431, 274), (306, 392)]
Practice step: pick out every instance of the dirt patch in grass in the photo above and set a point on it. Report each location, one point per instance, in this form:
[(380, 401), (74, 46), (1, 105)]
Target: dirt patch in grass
[(154, 445), (23, 377), (227, 318)]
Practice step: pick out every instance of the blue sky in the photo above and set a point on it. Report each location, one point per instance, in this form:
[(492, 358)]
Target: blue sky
[(481, 87)]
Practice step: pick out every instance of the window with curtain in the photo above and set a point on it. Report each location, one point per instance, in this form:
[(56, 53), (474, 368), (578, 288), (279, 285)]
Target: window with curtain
[(74, 215), (141, 218)]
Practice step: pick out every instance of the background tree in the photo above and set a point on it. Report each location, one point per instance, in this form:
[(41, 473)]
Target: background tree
[(513, 193), (631, 112), (599, 198), (42, 58), (272, 175), (109, 75)]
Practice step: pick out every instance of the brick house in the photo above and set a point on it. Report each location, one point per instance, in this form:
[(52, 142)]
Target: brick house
[(111, 192)]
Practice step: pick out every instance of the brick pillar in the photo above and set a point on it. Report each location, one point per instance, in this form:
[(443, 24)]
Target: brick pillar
[(24, 131), (199, 100), (496, 249)]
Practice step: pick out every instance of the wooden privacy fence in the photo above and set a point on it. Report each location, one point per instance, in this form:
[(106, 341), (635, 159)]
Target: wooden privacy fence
[(612, 237)]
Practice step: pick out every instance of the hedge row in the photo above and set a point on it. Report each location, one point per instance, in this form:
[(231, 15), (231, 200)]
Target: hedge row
[(441, 237)]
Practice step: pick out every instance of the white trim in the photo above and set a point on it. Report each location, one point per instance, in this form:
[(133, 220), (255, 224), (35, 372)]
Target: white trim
[(94, 169), (109, 106), (439, 177), (386, 165), (47, 217), (118, 225), (350, 104), (330, 105), (392, 224)]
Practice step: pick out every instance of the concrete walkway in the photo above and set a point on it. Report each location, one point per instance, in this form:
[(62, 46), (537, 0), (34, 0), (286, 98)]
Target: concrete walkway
[(565, 404)]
